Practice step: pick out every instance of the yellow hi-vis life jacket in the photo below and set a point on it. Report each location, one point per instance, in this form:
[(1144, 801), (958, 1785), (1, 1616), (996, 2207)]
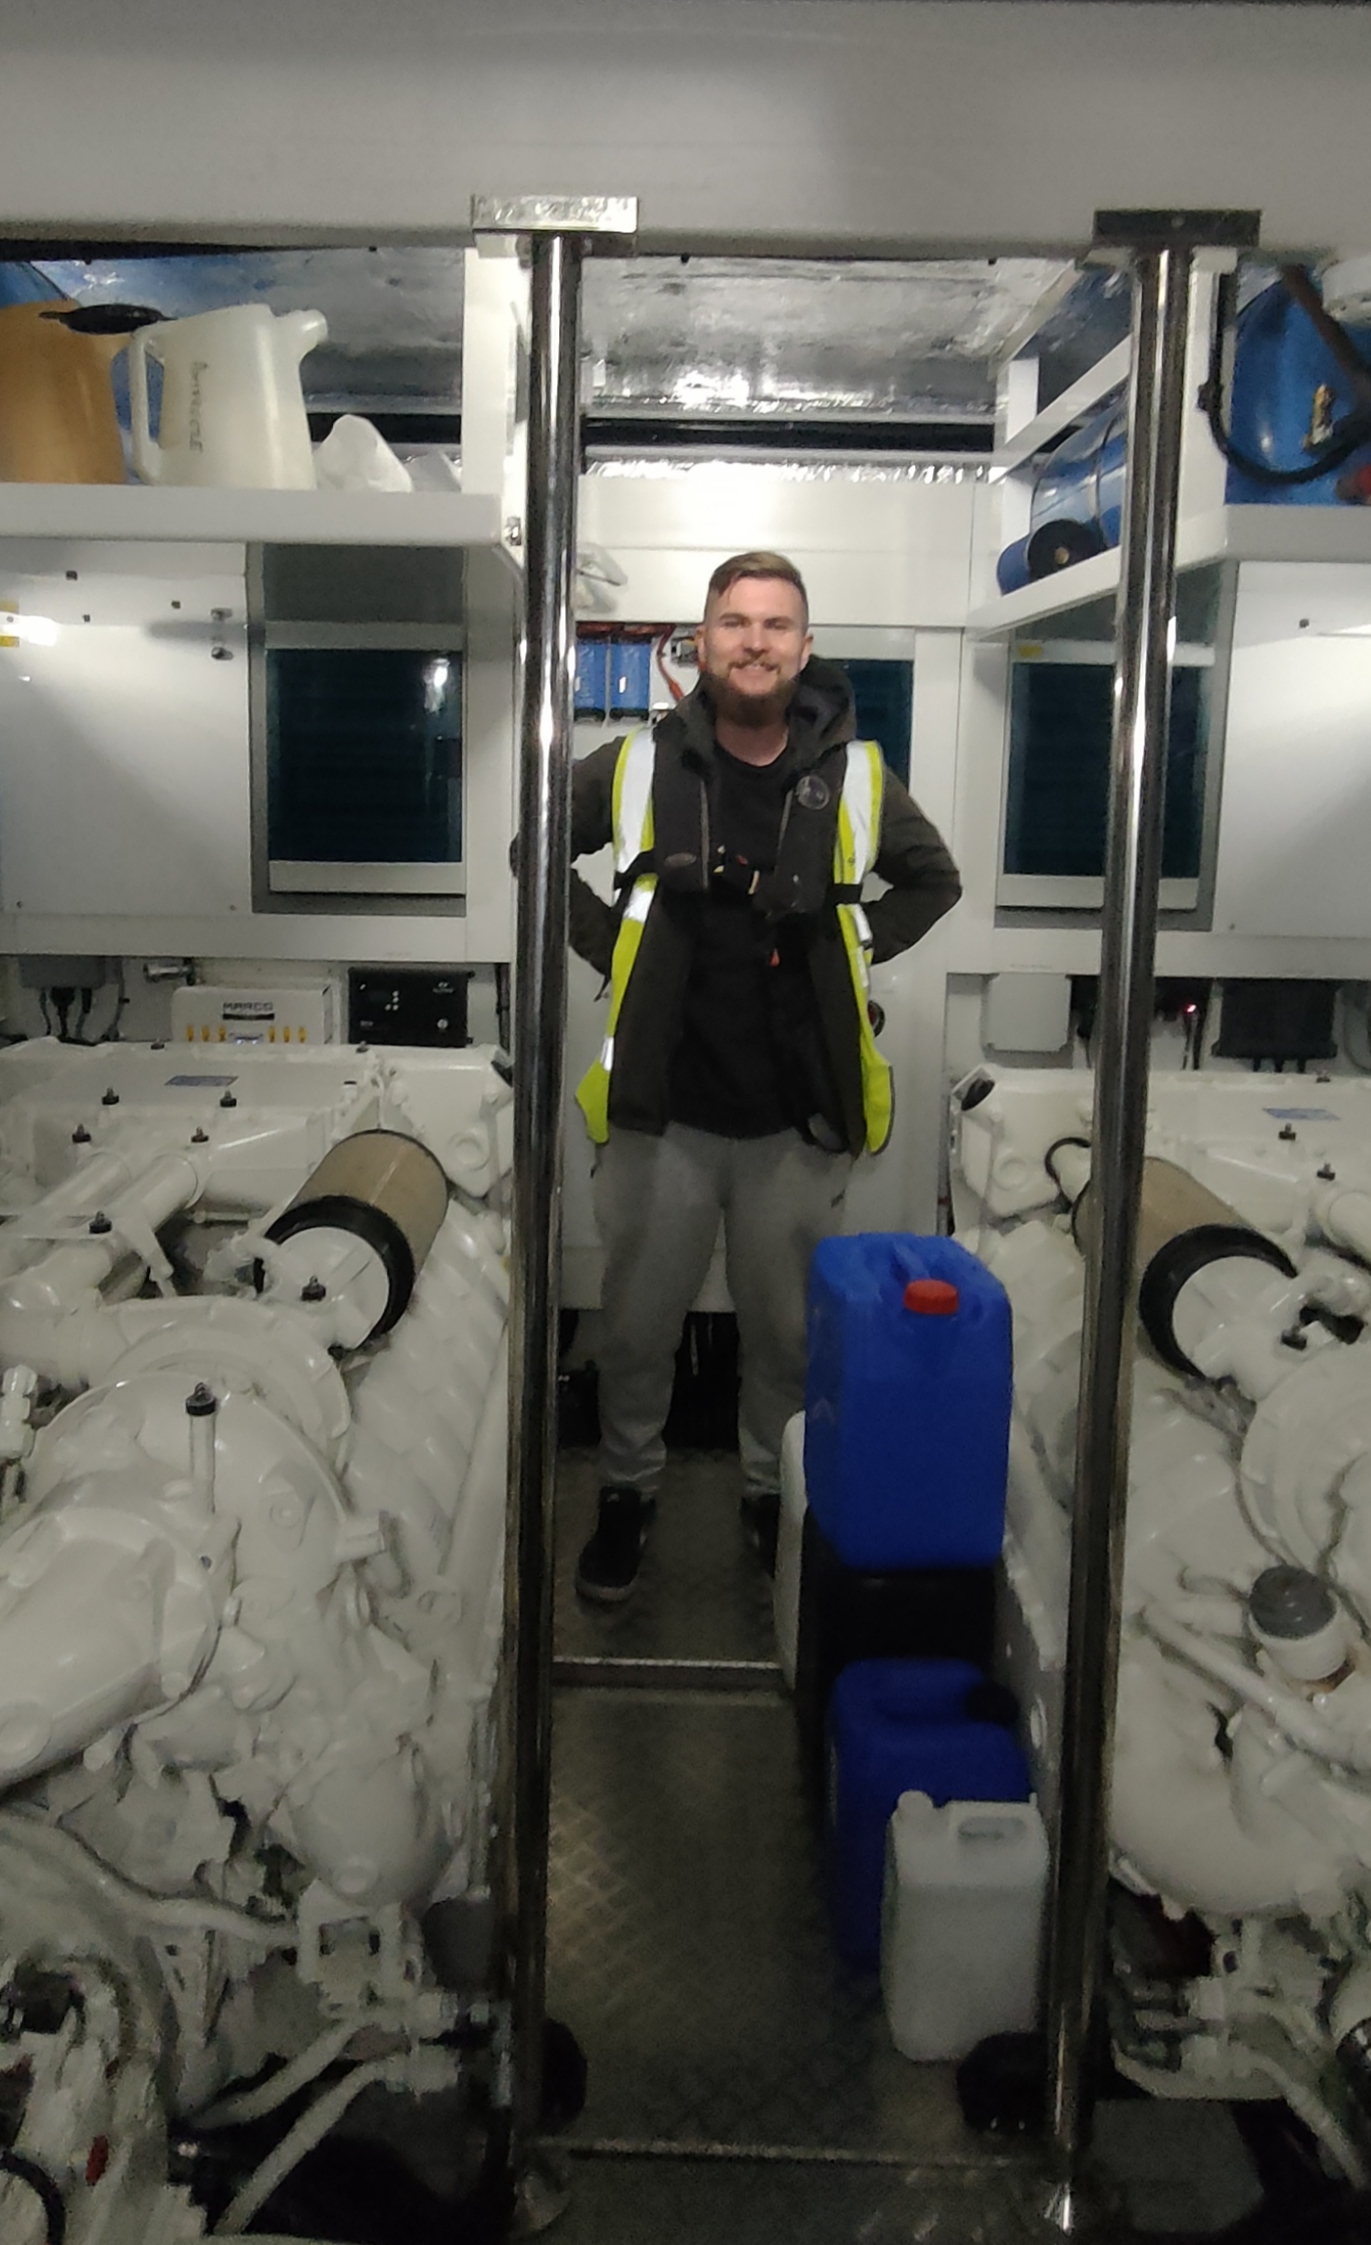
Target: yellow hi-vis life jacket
[(854, 854)]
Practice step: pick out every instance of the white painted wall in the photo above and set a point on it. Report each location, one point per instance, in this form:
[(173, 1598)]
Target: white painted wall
[(844, 123)]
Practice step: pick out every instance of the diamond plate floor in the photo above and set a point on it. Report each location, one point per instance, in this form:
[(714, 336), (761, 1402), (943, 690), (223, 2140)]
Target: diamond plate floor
[(688, 1946), (658, 2203), (701, 1595), (688, 1950)]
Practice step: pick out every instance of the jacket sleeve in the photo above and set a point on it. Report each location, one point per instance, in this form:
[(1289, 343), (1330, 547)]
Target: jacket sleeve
[(593, 923), (913, 858)]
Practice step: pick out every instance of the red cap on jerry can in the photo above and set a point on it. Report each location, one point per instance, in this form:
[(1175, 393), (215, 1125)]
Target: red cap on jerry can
[(932, 1297)]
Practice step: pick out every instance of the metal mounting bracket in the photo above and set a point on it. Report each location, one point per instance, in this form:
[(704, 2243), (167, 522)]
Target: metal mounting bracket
[(611, 220)]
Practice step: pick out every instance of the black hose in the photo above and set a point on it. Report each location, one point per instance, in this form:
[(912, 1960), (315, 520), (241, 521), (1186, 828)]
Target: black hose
[(1355, 428), (44, 2190)]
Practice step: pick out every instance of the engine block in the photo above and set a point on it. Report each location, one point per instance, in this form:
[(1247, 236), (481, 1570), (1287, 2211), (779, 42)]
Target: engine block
[(1241, 1796), (252, 1422)]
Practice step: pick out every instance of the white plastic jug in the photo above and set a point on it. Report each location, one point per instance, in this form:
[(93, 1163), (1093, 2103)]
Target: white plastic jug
[(961, 1925), (233, 410), (785, 1583)]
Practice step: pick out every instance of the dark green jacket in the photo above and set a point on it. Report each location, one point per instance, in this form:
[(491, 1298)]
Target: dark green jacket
[(911, 857)]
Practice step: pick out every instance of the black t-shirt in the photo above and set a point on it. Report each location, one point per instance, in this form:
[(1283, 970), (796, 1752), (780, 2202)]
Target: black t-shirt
[(750, 1059)]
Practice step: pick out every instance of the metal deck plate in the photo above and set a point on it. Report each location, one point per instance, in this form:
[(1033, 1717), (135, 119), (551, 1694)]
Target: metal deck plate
[(701, 1595), (689, 1949), (660, 2203), (742, 2083)]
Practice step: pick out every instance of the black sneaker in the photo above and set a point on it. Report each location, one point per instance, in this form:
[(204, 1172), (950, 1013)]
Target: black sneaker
[(608, 1566)]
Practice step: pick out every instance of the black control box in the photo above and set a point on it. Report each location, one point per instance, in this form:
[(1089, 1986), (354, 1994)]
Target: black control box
[(408, 1005)]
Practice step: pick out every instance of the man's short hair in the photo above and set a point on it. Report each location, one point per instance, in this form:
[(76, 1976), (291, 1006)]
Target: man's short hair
[(742, 565)]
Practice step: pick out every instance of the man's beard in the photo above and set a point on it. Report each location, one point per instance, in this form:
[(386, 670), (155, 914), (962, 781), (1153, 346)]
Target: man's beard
[(754, 711)]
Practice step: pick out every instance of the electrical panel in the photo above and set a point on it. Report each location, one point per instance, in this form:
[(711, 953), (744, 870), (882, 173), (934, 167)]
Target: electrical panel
[(410, 1006), (214, 1014)]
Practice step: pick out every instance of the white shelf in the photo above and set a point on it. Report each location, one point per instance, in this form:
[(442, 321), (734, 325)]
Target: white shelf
[(1075, 404), (285, 518), (1229, 534)]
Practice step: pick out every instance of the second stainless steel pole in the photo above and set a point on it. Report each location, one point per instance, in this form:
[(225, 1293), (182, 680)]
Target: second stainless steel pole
[(539, 1042), (1161, 294)]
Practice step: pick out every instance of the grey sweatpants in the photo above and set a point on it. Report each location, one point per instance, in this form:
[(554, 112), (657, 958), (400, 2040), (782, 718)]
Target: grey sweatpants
[(658, 1202)]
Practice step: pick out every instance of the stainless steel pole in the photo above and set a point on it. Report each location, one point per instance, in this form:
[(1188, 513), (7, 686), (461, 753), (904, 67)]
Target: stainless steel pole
[(539, 1042), (1147, 584)]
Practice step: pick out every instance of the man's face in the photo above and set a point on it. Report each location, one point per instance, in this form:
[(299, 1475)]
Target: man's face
[(752, 646)]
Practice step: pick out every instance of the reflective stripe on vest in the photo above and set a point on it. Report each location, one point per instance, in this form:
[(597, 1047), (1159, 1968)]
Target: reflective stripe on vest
[(632, 800), (854, 854)]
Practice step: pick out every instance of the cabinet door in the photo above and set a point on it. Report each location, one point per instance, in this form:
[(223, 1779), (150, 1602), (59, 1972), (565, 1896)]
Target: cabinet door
[(124, 763), (1295, 826)]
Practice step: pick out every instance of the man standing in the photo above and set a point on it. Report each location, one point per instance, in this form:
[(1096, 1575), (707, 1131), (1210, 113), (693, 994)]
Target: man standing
[(739, 1075)]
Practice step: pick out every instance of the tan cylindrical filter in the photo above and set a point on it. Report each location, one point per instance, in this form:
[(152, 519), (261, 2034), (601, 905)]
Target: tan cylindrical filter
[(1182, 1226), (1172, 1202), (389, 1190)]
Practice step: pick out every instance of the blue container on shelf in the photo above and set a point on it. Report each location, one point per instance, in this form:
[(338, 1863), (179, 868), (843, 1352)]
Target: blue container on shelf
[(1083, 480), (907, 1397), (592, 677), (1081, 484), (22, 283), (630, 677), (1287, 388), (902, 1726), (1288, 391)]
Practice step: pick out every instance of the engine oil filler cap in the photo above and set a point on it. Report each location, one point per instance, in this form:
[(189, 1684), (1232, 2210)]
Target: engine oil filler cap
[(1289, 1602), (932, 1297)]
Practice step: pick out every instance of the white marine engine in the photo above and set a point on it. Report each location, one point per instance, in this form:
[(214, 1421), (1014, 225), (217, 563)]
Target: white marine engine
[(252, 1422), (1242, 1776)]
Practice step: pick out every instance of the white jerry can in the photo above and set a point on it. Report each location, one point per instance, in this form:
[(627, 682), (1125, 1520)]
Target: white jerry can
[(961, 1923), (785, 1588)]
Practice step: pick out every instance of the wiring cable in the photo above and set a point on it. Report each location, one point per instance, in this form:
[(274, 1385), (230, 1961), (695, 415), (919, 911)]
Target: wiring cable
[(280, 2087), (309, 2131), (113, 1034), (39, 2181), (168, 1913)]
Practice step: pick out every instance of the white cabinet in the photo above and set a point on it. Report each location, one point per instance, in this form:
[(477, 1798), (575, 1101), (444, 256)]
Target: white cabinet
[(124, 777), (1295, 827)]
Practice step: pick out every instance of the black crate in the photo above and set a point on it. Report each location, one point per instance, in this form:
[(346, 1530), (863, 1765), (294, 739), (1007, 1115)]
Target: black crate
[(923, 1613)]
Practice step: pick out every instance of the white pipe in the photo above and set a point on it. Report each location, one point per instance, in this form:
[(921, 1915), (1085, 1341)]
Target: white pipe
[(16, 1405), (41, 1298), (40, 1306), (1172, 1817), (1306, 2103), (174, 1913), (95, 1181), (1291, 1715), (1300, 2094), (309, 2130), (255, 2104), (1345, 1218), (1071, 1168)]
